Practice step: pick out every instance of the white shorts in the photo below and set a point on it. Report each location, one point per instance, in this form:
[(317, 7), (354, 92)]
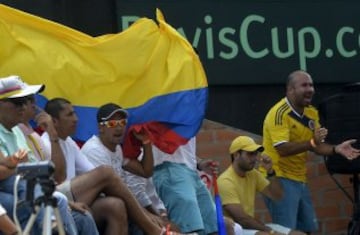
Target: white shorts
[(65, 188), (2, 210), (275, 227), (238, 230)]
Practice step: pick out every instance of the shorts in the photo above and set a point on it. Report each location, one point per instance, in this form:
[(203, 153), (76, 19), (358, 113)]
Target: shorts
[(65, 188), (295, 209), (188, 201), (238, 230), (2, 210)]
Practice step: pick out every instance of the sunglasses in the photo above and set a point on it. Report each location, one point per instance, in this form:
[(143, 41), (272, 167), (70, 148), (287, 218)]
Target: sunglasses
[(21, 101), (114, 123)]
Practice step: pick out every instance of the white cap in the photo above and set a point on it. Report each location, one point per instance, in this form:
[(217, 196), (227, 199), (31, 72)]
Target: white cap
[(14, 87)]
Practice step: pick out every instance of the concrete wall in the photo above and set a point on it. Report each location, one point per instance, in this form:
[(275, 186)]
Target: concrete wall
[(333, 208)]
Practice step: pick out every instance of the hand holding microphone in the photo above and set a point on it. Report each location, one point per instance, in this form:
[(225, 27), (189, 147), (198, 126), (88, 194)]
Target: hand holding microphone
[(320, 135)]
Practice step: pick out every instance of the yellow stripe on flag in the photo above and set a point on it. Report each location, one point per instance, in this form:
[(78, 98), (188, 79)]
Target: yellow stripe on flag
[(128, 68)]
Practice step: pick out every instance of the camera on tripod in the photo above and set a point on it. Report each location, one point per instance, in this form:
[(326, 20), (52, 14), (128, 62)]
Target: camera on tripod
[(36, 170), (40, 173)]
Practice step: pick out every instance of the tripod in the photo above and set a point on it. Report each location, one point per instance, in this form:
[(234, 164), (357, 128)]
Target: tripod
[(49, 202), (354, 224)]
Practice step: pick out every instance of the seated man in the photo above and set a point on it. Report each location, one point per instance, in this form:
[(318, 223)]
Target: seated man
[(85, 183), (14, 142), (79, 218), (178, 184), (240, 182), (13, 147), (105, 149)]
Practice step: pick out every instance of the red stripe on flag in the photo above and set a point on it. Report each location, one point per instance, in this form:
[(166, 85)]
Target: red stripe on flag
[(160, 135)]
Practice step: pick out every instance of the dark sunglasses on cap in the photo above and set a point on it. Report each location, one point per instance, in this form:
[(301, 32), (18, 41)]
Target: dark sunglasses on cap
[(114, 123), (21, 101)]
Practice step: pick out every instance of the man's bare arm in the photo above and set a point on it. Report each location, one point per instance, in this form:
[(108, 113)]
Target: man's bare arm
[(45, 121)]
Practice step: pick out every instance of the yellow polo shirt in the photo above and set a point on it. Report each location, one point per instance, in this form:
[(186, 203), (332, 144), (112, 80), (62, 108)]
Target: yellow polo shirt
[(234, 189), (283, 124)]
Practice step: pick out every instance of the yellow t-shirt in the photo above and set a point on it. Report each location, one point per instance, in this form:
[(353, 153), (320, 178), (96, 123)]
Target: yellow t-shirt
[(283, 124), (234, 189)]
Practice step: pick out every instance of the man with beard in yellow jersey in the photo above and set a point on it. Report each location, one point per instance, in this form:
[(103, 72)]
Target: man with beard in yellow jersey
[(292, 129)]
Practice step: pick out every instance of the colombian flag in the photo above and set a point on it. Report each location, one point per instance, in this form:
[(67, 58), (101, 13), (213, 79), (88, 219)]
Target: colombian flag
[(149, 69)]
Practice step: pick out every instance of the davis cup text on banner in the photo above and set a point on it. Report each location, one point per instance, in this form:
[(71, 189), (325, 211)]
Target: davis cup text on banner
[(304, 42), (239, 37)]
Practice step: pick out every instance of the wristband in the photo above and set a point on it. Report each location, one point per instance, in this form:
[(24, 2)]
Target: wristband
[(312, 143), (147, 141), (334, 149), (198, 165)]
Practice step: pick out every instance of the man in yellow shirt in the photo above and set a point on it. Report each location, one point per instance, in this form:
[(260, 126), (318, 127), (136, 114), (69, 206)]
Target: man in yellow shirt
[(239, 183), (291, 129)]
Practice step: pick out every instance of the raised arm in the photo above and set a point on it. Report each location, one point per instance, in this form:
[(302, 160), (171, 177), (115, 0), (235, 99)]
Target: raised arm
[(145, 166), (44, 120)]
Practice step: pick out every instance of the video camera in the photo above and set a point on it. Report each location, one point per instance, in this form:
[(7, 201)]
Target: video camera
[(40, 173), (36, 170)]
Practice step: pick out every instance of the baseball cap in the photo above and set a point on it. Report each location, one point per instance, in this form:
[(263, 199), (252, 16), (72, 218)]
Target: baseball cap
[(106, 111), (245, 143), (13, 87)]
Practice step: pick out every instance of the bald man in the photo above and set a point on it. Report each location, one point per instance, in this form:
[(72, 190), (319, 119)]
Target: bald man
[(291, 129)]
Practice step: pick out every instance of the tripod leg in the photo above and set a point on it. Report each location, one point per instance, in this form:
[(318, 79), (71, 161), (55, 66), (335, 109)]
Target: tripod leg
[(59, 221), (31, 221), (47, 221)]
